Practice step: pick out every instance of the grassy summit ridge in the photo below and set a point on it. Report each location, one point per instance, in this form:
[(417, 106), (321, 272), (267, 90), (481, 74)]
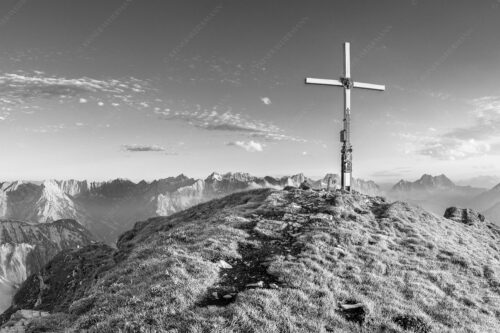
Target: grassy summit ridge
[(287, 261)]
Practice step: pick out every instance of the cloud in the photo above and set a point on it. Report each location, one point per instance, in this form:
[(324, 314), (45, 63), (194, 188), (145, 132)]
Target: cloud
[(250, 146), (228, 127), (135, 148), (21, 89), (479, 138), (266, 100), (213, 120), (454, 149)]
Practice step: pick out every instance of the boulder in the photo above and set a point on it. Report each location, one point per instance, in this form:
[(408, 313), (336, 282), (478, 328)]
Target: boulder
[(355, 312), (464, 215)]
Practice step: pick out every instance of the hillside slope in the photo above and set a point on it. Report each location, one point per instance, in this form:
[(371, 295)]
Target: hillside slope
[(279, 261), (26, 248)]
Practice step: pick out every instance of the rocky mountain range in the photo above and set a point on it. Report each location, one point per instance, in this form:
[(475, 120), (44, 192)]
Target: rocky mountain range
[(26, 248), (109, 208), (266, 260), (434, 193)]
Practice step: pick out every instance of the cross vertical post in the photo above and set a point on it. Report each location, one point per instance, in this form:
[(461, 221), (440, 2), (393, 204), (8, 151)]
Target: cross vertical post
[(346, 163), (345, 135)]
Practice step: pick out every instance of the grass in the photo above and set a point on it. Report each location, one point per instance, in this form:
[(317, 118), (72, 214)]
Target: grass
[(316, 253)]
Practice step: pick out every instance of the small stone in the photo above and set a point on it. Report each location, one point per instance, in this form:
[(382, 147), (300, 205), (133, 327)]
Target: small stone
[(228, 296), (215, 295), (259, 284), (223, 264)]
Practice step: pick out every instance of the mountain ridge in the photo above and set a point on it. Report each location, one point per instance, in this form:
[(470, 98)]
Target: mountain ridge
[(266, 260), (111, 207), (434, 193)]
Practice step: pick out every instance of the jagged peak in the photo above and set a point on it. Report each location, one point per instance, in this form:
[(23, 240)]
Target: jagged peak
[(238, 176), (214, 176), (442, 178), (425, 182)]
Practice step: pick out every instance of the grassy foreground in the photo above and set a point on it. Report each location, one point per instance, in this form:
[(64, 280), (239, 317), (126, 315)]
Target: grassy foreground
[(280, 261)]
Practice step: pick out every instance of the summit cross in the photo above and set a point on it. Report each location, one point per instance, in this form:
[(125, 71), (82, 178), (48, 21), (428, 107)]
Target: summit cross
[(345, 135)]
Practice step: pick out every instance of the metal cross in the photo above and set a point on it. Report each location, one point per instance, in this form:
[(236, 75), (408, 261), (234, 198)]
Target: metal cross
[(345, 134)]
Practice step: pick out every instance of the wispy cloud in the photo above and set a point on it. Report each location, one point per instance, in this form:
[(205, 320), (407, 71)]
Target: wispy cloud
[(213, 120), (136, 148), (481, 137), (250, 146), (21, 89), (453, 148)]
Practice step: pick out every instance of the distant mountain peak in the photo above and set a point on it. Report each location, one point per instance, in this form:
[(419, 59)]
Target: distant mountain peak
[(214, 176), (426, 182)]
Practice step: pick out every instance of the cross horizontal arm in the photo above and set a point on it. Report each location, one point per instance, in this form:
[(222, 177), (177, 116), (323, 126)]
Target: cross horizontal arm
[(324, 82), (369, 86)]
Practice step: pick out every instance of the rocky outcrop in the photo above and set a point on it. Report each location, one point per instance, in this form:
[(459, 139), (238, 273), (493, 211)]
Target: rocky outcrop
[(75, 270), (26, 248), (464, 215)]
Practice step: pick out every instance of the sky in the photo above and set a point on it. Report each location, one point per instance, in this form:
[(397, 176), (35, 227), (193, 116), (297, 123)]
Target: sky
[(146, 89)]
